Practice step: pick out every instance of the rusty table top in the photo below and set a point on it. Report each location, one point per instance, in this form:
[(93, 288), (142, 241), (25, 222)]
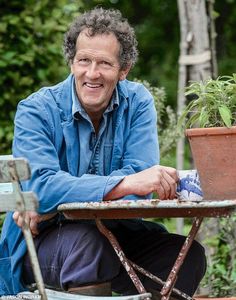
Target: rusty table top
[(123, 209)]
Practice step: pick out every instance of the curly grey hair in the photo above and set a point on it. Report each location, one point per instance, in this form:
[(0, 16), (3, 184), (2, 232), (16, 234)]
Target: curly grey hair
[(100, 21)]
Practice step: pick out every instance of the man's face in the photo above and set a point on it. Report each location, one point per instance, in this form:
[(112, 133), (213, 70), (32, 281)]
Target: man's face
[(97, 70)]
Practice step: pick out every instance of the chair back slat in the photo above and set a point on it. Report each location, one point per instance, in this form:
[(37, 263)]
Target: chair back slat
[(8, 202), (12, 198), (21, 165), (12, 170)]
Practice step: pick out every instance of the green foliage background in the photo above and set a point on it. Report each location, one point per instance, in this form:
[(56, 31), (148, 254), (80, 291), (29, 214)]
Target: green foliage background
[(221, 272), (31, 35)]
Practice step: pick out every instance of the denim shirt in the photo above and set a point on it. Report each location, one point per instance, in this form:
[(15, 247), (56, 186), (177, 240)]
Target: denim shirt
[(95, 149), (47, 134)]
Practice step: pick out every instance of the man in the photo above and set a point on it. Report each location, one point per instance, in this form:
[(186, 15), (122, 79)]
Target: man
[(93, 137)]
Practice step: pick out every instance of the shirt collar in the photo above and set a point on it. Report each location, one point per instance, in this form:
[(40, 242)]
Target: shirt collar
[(77, 108), (114, 103)]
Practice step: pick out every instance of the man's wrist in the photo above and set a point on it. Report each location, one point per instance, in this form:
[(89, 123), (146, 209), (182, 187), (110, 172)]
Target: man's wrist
[(126, 186), (121, 190)]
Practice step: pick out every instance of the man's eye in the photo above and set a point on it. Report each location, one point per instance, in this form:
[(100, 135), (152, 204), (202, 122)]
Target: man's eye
[(105, 63), (83, 61)]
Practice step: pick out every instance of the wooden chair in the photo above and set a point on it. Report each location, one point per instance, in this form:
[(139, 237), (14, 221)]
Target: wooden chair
[(12, 171)]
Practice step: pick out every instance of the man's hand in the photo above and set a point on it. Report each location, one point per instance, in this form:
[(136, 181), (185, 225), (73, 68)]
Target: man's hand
[(159, 179), (32, 218)]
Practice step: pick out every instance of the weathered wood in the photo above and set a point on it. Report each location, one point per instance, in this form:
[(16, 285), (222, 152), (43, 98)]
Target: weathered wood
[(8, 202), (22, 168), (12, 170), (34, 260), (213, 35), (197, 52), (6, 187)]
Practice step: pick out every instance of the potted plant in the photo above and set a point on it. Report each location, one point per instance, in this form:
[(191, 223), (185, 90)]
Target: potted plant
[(211, 131)]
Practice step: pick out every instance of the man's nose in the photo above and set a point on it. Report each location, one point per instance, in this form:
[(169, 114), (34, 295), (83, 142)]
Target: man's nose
[(93, 70)]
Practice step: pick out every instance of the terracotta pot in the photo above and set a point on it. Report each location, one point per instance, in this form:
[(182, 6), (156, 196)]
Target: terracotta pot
[(214, 155)]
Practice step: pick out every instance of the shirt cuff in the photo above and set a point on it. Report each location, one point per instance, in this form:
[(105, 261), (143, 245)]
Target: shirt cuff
[(112, 182)]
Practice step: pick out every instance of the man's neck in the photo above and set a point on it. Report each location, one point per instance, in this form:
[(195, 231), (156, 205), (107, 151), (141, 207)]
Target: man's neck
[(96, 119)]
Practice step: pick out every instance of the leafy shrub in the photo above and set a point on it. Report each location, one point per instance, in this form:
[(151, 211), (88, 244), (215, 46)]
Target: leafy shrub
[(220, 277), (31, 35), (167, 119)]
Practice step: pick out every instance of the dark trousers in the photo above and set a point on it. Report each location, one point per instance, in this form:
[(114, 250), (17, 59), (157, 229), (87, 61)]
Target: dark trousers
[(76, 254)]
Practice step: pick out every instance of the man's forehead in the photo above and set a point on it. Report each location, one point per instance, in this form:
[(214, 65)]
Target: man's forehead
[(102, 45), (85, 34), (94, 55)]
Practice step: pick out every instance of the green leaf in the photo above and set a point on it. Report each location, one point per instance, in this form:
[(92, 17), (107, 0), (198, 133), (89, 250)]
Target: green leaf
[(203, 119), (193, 120), (226, 115), (3, 64), (8, 55), (3, 27)]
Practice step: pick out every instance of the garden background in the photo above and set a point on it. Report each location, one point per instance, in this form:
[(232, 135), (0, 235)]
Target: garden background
[(31, 35)]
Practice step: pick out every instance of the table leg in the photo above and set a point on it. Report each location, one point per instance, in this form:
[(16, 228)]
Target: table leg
[(158, 280), (109, 235), (169, 284)]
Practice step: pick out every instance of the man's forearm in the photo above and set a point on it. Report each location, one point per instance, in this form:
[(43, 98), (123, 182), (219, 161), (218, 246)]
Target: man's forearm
[(119, 191), (160, 179)]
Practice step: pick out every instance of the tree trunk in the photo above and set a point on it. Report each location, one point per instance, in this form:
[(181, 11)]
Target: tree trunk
[(197, 61)]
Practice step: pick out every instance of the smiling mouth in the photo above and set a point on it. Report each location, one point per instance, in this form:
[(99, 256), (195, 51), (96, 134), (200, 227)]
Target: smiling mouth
[(93, 85)]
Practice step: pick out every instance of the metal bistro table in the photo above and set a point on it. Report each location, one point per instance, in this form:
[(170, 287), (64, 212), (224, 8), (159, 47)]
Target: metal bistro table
[(125, 209)]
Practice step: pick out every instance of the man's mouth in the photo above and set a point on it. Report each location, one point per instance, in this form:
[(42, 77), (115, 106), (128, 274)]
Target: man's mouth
[(92, 85)]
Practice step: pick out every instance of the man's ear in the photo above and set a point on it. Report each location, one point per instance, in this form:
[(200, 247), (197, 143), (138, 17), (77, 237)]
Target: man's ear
[(124, 73)]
